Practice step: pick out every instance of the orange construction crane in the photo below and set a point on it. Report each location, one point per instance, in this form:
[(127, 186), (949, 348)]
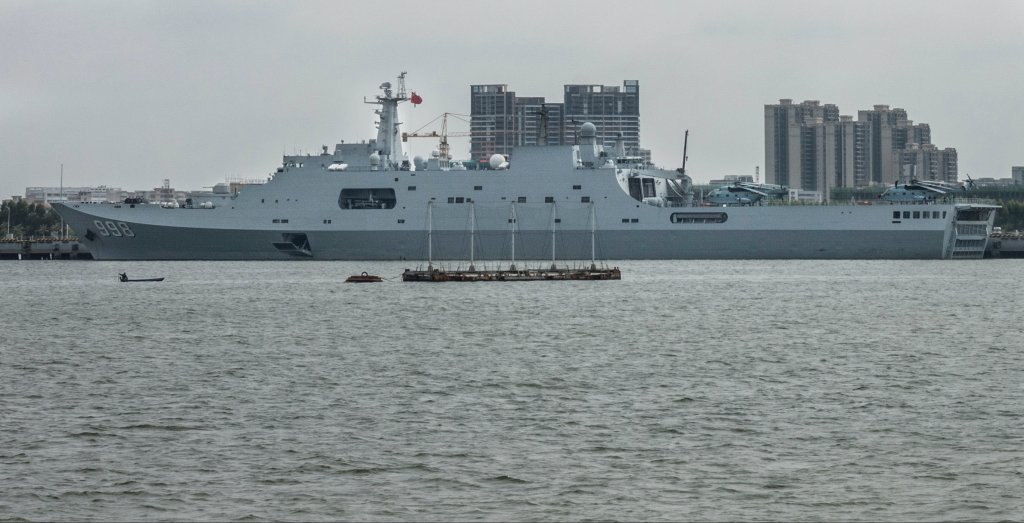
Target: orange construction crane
[(443, 147)]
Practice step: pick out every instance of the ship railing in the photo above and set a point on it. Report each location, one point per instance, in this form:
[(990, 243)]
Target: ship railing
[(777, 203), (975, 201)]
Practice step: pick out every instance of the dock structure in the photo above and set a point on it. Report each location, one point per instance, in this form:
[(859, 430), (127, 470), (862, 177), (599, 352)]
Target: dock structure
[(432, 274), (43, 249), (1006, 245), (513, 273)]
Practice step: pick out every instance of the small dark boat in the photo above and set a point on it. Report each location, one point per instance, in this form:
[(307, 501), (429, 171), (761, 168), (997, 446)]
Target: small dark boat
[(364, 278), (123, 277)]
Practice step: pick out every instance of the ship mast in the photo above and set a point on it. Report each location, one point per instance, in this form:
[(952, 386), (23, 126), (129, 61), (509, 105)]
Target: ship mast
[(686, 140), (389, 146)]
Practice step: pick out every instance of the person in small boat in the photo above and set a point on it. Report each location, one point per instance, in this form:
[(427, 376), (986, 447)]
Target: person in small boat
[(123, 276)]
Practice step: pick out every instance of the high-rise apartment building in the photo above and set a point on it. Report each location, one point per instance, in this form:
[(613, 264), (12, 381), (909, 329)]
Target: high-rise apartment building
[(928, 162), (613, 110), (854, 153), (492, 121), (812, 147), (800, 143), (539, 122), (499, 120)]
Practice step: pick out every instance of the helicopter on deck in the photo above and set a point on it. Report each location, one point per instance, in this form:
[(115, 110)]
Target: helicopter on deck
[(923, 191), (745, 193)]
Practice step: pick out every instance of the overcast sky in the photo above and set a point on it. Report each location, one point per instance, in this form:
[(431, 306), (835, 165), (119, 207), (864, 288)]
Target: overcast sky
[(128, 93)]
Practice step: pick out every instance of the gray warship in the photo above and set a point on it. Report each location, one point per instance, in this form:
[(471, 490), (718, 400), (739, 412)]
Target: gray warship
[(369, 201)]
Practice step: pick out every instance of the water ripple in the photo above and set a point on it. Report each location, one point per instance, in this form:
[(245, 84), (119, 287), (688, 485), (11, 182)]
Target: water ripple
[(689, 391)]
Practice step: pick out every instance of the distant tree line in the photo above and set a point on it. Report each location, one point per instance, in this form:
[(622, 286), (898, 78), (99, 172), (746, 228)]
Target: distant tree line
[(1010, 217), (28, 220)]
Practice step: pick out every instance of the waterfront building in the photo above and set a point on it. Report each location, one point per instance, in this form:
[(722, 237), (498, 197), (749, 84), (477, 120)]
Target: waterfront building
[(1017, 174), (539, 122), (500, 120), (928, 162), (45, 195), (796, 143), (163, 194), (492, 121), (612, 109), (731, 179), (813, 147), (994, 182)]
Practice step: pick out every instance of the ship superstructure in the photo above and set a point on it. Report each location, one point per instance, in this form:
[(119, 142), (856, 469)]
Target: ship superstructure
[(369, 201)]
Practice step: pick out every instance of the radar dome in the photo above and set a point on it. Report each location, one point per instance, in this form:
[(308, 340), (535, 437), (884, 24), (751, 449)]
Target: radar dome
[(497, 161), (375, 158), (588, 130), (419, 162)]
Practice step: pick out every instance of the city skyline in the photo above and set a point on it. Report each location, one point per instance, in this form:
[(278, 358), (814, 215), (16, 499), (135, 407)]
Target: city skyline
[(131, 93), (813, 146)]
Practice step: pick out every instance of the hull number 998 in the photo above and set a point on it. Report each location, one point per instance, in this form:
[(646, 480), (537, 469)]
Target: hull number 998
[(111, 228)]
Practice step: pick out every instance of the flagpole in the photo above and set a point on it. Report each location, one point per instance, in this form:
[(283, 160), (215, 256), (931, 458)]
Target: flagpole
[(62, 199)]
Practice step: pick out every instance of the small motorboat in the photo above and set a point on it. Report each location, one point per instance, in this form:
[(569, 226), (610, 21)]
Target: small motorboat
[(125, 279), (364, 278)]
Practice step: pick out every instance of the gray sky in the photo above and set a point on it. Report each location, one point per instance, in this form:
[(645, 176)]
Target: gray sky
[(127, 93)]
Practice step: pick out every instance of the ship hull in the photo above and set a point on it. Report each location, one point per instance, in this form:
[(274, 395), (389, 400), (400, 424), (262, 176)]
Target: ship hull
[(161, 242)]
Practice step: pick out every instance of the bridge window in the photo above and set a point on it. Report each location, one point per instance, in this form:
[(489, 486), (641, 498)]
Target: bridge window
[(367, 199), (895, 215)]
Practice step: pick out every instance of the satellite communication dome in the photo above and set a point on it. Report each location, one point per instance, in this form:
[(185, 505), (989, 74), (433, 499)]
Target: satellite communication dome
[(435, 153), (588, 130), (496, 161), (375, 158)]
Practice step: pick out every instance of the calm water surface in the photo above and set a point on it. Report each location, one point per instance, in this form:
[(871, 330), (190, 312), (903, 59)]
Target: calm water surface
[(726, 390)]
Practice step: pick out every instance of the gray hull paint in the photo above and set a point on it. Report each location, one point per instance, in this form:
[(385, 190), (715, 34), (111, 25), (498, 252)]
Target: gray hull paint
[(152, 242)]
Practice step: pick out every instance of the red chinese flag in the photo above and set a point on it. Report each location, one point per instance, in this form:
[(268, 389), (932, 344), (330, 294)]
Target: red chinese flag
[(416, 99)]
